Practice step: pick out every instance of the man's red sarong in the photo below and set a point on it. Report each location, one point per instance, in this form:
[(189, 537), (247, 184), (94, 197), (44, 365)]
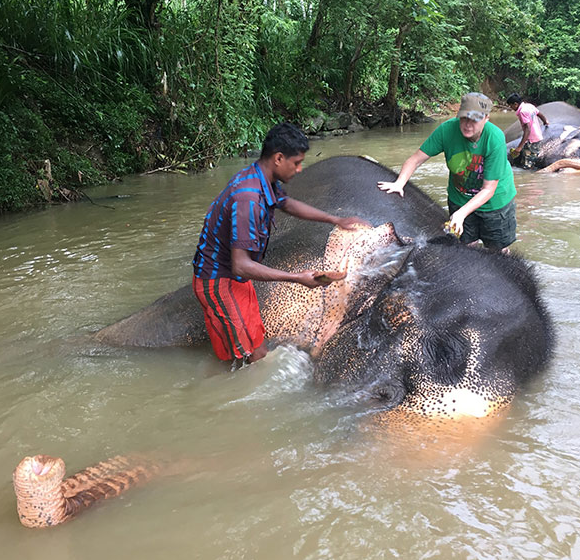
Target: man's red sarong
[(232, 316)]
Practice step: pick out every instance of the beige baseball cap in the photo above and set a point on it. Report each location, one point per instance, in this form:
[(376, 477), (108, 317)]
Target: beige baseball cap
[(474, 106)]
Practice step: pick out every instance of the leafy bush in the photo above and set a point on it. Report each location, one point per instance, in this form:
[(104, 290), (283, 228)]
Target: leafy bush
[(102, 89)]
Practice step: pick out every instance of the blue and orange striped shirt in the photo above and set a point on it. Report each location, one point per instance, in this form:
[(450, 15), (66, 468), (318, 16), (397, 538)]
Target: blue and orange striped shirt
[(240, 217)]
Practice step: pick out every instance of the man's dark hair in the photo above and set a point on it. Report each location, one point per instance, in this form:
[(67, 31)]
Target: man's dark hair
[(514, 98), (286, 138)]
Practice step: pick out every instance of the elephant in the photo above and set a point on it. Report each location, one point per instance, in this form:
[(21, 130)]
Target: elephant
[(420, 322), (560, 148)]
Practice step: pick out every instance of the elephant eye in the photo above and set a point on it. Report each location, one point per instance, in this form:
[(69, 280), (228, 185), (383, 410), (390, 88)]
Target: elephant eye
[(390, 393), (384, 394)]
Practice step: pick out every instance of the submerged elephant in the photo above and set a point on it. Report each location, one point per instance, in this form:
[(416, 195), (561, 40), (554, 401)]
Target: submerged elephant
[(560, 147), (421, 322)]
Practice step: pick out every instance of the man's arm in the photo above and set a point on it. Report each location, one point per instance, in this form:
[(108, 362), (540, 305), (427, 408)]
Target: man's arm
[(543, 118), (409, 167), (244, 266), (458, 217), (304, 211)]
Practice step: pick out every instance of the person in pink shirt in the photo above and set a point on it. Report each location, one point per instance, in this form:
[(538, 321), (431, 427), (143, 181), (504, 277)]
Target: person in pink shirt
[(525, 154)]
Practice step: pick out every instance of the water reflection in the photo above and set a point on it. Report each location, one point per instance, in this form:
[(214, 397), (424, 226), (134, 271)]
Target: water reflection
[(283, 469)]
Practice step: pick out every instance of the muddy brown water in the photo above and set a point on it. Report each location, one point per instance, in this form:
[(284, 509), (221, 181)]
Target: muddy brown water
[(276, 468)]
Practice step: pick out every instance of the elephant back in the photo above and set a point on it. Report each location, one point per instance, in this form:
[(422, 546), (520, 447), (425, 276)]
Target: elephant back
[(347, 186)]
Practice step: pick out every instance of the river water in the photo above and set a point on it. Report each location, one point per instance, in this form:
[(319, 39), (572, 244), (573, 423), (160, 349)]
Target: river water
[(273, 468)]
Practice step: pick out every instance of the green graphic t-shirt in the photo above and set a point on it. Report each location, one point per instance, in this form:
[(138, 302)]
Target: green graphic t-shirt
[(470, 163)]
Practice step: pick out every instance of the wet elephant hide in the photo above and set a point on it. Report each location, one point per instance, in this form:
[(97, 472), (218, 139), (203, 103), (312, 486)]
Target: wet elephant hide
[(342, 185), (427, 325)]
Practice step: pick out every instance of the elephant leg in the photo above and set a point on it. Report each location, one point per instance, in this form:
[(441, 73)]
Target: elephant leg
[(566, 163)]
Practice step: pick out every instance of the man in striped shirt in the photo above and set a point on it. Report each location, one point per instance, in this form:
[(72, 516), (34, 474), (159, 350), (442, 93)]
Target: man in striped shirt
[(234, 239)]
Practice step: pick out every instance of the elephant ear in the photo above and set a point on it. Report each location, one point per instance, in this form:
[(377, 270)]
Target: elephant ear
[(376, 276), (438, 353), (360, 254)]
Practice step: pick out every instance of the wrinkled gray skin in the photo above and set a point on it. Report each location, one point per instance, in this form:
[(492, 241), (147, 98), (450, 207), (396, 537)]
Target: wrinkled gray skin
[(440, 318), (561, 138)]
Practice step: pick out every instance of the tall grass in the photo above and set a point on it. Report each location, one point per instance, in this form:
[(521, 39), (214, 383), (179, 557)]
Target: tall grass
[(181, 93), (93, 43)]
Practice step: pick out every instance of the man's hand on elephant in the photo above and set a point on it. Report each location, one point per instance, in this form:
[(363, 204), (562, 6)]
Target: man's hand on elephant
[(351, 222), (389, 187), (307, 278)]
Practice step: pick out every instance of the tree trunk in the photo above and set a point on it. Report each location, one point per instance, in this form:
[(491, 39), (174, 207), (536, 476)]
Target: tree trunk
[(143, 12), (316, 31), (391, 98), (350, 73)]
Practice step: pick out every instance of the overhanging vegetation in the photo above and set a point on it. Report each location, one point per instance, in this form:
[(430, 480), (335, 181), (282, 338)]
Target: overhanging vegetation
[(104, 88)]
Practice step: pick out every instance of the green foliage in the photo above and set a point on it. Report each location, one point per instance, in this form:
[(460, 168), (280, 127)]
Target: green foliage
[(439, 49), (561, 53), (103, 88), (282, 84), (91, 43), (430, 69), (468, 44), (26, 141), (15, 178), (56, 122)]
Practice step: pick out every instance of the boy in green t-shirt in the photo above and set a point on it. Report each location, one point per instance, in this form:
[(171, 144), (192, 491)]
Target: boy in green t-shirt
[(481, 190)]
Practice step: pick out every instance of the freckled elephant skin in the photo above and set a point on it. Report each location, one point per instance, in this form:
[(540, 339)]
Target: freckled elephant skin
[(44, 498), (429, 326), (561, 138), (454, 335), (342, 185), (309, 318)]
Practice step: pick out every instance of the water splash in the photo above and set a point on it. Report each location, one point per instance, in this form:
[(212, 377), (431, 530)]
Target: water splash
[(383, 261), (290, 369)]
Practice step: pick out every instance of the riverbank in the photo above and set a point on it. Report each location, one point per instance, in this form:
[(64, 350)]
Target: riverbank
[(55, 143), (92, 93)]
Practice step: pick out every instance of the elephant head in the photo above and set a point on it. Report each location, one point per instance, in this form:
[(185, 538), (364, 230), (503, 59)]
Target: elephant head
[(439, 338)]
